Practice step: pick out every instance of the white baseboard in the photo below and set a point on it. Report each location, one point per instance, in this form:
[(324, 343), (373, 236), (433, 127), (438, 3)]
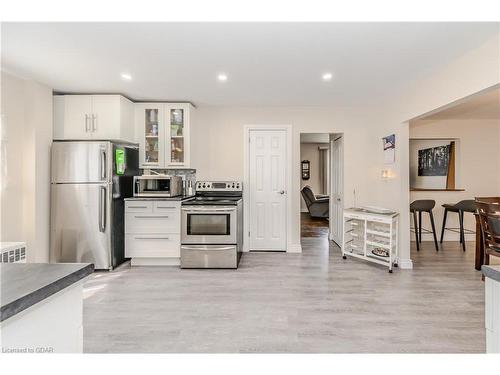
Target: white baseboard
[(294, 248), (405, 264), (155, 262)]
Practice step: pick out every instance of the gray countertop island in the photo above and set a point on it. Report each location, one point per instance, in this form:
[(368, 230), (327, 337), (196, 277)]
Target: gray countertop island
[(42, 306), (492, 307), (23, 285), (492, 272)]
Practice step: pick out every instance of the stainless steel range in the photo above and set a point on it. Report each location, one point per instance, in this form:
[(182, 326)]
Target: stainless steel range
[(212, 226)]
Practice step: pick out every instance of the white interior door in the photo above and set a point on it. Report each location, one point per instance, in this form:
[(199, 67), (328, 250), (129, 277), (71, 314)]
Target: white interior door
[(267, 185), (337, 183)]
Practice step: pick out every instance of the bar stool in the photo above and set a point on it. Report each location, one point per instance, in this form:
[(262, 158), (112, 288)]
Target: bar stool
[(467, 205), (423, 205)]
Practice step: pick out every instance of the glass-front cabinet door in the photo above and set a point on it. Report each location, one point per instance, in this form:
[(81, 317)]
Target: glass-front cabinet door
[(151, 133), (177, 119)]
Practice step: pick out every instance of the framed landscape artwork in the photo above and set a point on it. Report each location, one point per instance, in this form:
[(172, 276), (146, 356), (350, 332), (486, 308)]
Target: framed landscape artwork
[(434, 161)]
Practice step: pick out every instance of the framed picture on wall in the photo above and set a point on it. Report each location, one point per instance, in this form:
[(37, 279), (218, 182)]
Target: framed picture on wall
[(389, 143), (306, 169), (434, 161)]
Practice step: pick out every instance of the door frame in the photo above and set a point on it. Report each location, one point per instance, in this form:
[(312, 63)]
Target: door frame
[(341, 168), (246, 178)]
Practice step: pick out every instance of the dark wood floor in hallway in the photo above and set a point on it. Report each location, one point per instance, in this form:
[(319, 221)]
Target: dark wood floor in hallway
[(314, 302), (313, 227)]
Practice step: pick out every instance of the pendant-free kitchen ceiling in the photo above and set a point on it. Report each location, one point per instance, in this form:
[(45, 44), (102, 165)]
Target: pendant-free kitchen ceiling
[(268, 63)]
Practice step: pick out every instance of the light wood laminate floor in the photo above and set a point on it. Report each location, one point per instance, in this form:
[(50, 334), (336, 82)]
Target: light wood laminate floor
[(300, 303)]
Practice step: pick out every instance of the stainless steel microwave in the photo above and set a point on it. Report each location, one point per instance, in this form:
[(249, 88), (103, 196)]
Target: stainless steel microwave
[(157, 186)]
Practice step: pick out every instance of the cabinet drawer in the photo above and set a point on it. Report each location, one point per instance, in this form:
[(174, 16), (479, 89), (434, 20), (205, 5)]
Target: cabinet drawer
[(152, 245), (138, 206), (137, 223), (170, 207)]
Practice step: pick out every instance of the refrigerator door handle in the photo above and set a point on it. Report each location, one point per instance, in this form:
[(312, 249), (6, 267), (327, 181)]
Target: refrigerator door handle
[(102, 209), (103, 164)]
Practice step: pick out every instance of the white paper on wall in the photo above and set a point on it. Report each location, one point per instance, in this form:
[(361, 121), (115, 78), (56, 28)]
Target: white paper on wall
[(389, 143)]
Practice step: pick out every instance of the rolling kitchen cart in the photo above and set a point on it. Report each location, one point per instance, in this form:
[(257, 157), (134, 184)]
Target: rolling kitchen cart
[(371, 234)]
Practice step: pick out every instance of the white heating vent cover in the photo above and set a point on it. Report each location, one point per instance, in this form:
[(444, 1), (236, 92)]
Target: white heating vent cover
[(13, 252)]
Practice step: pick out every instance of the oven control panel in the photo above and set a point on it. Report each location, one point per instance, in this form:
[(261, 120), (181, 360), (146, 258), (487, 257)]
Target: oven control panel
[(219, 186)]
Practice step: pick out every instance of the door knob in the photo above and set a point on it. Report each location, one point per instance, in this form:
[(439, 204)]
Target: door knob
[(281, 192)]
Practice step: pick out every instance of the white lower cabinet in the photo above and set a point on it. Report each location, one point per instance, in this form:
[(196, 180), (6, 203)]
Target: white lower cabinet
[(153, 232), (492, 315), (152, 245)]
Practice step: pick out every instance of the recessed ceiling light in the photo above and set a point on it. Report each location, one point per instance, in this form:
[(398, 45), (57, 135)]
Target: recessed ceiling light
[(126, 76), (222, 77), (327, 76)]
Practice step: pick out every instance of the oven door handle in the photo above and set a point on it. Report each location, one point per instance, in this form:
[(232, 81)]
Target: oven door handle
[(205, 210), (207, 248)]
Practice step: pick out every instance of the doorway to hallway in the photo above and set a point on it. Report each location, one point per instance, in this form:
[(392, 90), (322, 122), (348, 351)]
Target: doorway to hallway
[(321, 176)]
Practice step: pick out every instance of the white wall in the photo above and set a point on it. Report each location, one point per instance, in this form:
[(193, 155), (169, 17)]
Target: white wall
[(26, 113), (217, 146), (217, 142), (467, 75), (310, 151), (478, 165)]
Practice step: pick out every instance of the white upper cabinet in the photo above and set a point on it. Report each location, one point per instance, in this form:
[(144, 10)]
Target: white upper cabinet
[(177, 119), (78, 110), (150, 134), (163, 132), (93, 117)]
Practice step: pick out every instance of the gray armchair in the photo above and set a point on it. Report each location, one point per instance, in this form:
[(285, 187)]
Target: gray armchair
[(318, 205)]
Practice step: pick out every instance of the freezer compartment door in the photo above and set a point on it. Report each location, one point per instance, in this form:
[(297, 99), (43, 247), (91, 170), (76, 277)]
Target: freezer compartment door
[(80, 224), (81, 162)]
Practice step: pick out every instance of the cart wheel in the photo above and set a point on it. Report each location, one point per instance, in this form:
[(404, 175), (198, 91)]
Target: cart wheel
[(344, 257), (395, 264), (390, 271)]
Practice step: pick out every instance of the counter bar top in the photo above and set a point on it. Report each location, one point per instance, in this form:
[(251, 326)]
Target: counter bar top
[(493, 272), (26, 284)]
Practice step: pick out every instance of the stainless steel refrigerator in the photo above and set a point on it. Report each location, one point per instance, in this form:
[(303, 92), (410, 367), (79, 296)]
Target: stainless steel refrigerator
[(89, 181)]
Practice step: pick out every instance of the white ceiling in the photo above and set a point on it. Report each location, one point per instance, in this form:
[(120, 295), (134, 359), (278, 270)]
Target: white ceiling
[(482, 106), (266, 64)]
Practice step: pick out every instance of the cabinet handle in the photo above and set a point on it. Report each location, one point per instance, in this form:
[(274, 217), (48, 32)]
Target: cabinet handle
[(94, 122), (166, 207), (86, 123), (137, 206)]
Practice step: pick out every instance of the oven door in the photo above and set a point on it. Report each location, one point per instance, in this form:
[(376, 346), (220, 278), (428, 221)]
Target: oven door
[(208, 224)]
